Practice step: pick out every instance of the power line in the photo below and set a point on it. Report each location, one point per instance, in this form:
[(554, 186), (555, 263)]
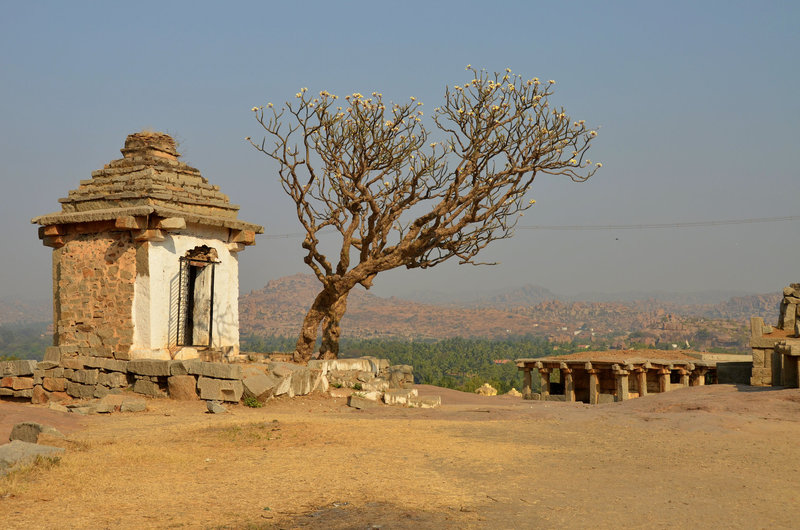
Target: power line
[(648, 226), (696, 224)]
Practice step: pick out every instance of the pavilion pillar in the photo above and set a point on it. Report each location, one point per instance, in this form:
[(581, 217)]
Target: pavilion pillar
[(641, 382), (544, 376), (569, 384), (663, 380), (527, 383), (593, 386), (621, 377), (698, 377), (684, 377)]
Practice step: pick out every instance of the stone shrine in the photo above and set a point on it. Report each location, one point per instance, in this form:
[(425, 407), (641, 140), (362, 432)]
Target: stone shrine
[(145, 260)]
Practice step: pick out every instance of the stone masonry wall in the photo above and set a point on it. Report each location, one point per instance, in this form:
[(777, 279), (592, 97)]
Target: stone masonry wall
[(93, 292)]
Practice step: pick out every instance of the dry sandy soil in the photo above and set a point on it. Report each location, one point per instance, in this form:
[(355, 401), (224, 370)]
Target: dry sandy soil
[(717, 456)]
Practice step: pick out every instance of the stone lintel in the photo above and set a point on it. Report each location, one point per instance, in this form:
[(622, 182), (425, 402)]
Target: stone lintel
[(131, 222), (53, 242), (174, 223), (765, 341), (51, 230), (246, 237)]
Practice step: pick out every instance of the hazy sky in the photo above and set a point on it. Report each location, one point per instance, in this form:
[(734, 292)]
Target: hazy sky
[(696, 104)]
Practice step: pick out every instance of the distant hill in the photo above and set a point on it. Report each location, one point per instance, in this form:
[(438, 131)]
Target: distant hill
[(278, 310), (279, 307), (14, 311)]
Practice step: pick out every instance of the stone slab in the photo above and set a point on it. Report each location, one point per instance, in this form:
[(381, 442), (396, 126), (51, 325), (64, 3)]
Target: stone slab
[(54, 384), (214, 370), (220, 389), (29, 431), (182, 387), (113, 379), (148, 388), (87, 377), (109, 365), (79, 390), (19, 452), (152, 367), (764, 341), (260, 386), (133, 405), (358, 402), (426, 402), (17, 368), (400, 396)]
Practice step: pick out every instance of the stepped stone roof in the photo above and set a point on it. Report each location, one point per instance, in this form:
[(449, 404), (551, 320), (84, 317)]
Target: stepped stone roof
[(148, 179)]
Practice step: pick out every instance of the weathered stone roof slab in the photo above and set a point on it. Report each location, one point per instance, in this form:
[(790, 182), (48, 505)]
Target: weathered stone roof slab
[(114, 213)]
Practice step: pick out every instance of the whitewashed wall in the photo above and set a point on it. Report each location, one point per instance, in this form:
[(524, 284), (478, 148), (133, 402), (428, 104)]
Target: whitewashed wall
[(155, 296)]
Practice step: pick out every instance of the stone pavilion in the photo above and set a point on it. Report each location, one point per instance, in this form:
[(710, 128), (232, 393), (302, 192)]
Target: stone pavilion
[(145, 260)]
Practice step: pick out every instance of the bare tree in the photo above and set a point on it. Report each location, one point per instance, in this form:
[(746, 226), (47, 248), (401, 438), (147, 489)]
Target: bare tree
[(399, 196)]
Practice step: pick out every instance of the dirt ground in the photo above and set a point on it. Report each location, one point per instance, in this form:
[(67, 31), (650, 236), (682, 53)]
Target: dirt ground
[(716, 456)]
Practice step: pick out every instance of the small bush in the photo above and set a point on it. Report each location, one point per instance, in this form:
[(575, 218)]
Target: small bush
[(357, 386), (252, 402)]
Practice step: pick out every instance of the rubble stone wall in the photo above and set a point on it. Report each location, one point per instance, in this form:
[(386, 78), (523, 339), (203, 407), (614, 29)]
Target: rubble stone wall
[(93, 281)]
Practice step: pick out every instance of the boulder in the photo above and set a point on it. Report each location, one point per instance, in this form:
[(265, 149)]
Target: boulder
[(220, 389), (215, 407), (514, 392), (29, 431), (182, 387), (486, 390), (19, 452)]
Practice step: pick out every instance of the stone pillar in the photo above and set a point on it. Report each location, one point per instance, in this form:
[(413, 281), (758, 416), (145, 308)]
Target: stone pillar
[(527, 383), (684, 377), (698, 377), (621, 377), (569, 384), (663, 380), (544, 375), (641, 380), (593, 390)]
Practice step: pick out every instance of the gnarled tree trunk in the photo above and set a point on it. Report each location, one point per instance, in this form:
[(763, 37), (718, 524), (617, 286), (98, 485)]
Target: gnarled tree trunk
[(326, 311), (331, 329)]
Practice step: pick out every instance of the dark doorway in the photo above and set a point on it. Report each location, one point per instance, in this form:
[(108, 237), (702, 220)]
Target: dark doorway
[(196, 297)]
